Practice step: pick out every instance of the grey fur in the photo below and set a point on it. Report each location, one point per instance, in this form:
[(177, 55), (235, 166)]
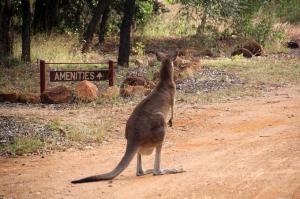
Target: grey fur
[(146, 126)]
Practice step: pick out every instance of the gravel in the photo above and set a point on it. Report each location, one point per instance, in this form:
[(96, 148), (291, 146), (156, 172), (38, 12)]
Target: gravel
[(14, 127), (208, 80), (204, 80)]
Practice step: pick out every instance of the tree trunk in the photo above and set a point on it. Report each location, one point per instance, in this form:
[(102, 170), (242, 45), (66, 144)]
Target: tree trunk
[(124, 47), (103, 24), (39, 22), (45, 16), (51, 15), (98, 11), (26, 18), (6, 39)]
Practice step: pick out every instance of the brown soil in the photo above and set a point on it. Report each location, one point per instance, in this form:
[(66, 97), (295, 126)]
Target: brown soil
[(244, 149)]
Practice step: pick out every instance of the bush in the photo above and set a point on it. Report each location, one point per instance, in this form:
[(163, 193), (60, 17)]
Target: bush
[(247, 18), (289, 10), (260, 30), (144, 11)]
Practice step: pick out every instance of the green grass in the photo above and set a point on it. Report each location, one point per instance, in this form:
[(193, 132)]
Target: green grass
[(23, 145), (82, 132)]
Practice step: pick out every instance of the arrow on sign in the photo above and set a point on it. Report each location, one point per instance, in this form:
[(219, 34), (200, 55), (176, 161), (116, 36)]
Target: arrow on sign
[(99, 75)]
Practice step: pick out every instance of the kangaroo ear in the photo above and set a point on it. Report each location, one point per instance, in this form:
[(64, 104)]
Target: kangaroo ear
[(161, 56), (172, 56)]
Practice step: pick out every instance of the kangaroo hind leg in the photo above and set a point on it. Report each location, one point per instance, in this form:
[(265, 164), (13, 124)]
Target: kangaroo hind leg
[(139, 168), (159, 171)]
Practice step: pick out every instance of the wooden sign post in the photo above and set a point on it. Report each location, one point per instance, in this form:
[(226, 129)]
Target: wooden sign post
[(76, 75)]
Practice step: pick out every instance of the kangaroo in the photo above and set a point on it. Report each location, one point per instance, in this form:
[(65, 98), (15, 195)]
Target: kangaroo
[(146, 126)]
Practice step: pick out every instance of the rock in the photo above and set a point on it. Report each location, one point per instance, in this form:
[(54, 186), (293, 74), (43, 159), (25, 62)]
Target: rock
[(254, 47), (185, 68), (208, 52), (30, 98), (242, 51), (292, 44), (180, 63), (184, 73), (86, 91), (135, 81), (182, 69), (132, 91), (110, 93), (9, 97), (249, 49), (57, 95), (136, 86)]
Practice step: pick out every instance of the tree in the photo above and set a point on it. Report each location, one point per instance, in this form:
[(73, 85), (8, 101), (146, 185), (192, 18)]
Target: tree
[(51, 15), (45, 15), (6, 38), (73, 14), (26, 20), (98, 12), (212, 12), (103, 25), (39, 22), (124, 47)]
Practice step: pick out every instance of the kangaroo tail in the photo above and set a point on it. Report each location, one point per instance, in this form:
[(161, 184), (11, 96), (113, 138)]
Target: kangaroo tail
[(130, 152)]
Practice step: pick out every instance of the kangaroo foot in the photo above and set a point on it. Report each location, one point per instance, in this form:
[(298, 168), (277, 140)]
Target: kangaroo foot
[(142, 173), (168, 171)]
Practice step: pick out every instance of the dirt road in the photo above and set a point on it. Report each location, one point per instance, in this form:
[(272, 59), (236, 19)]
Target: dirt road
[(249, 148)]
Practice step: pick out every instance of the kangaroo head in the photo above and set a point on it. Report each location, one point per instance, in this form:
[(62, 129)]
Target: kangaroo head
[(167, 66)]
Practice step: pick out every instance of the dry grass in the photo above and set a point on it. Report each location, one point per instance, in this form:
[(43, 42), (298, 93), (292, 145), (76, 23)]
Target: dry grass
[(269, 70), (82, 131), (52, 48), (169, 24), (219, 96), (21, 77), (260, 74), (293, 31)]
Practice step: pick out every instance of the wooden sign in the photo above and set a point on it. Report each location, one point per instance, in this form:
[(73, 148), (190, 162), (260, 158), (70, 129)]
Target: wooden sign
[(76, 75), (60, 76)]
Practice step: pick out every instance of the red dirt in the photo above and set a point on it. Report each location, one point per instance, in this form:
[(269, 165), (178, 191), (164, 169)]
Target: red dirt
[(244, 149)]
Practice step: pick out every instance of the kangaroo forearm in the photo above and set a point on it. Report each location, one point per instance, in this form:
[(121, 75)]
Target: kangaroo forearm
[(172, 109), (170, 122)]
